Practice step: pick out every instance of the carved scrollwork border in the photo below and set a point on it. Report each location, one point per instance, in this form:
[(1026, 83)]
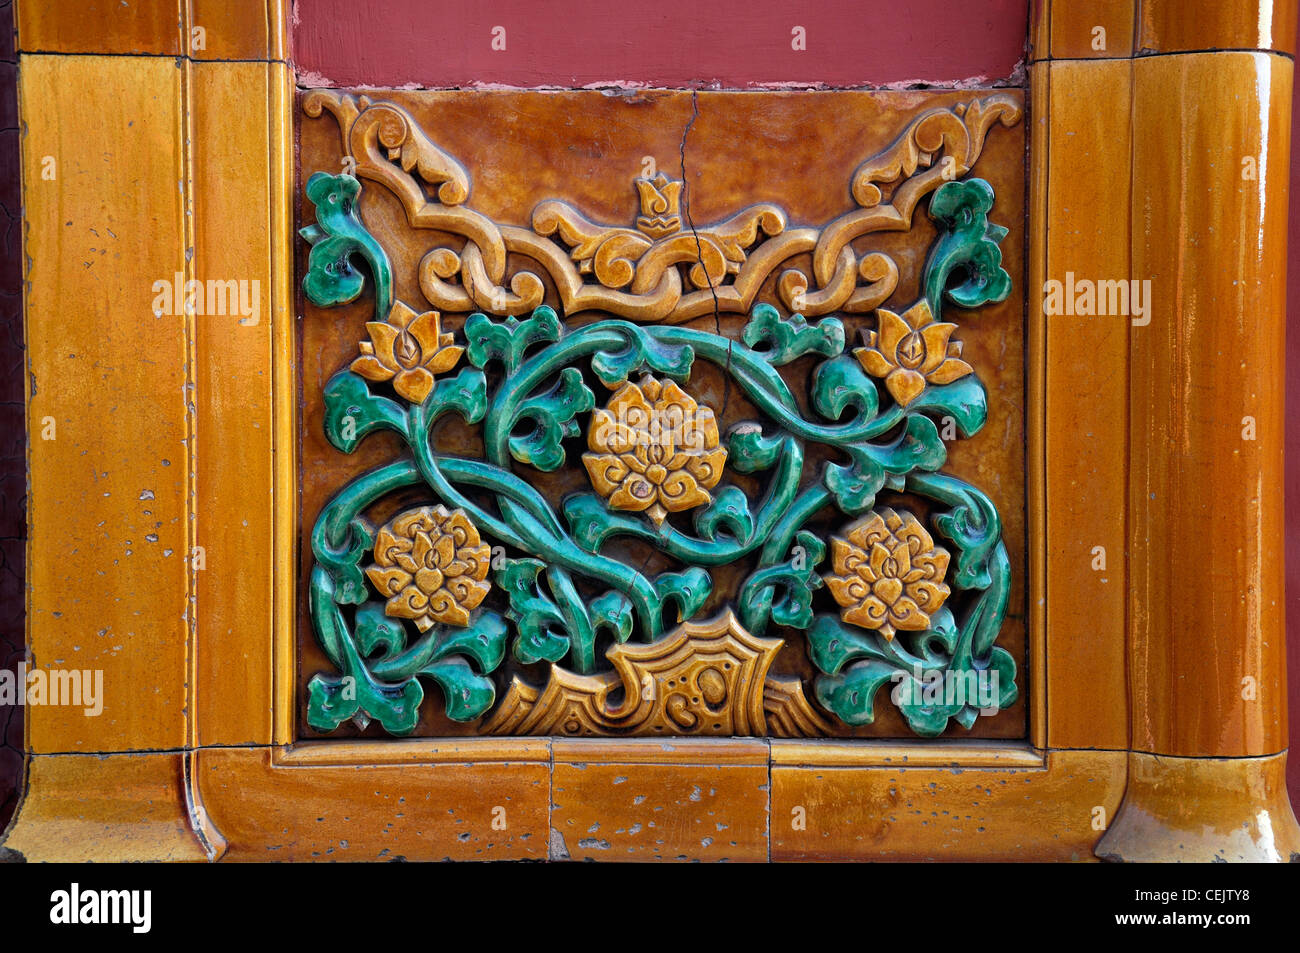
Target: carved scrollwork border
[(631, 272)]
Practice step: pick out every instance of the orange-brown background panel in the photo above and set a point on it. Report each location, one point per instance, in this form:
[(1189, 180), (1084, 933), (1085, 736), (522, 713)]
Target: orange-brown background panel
[(798, 150)]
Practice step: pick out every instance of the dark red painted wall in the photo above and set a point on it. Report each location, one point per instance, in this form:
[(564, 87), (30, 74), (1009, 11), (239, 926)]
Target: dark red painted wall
[(664, 43)]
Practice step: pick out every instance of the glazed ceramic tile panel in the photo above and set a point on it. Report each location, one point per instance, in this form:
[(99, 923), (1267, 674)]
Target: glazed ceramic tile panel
[(662, 414)]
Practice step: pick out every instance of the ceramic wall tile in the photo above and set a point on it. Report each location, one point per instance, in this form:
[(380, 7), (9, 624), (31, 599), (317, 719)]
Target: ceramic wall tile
[(828, 227)]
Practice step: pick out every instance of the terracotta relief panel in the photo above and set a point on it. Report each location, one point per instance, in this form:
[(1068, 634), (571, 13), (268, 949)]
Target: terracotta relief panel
[(662, 414)]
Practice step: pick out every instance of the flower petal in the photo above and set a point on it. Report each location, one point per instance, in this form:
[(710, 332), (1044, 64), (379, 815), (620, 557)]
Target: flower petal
[(414, 384), (950, 370), (927, 595), (870, 530), (384, 337), (388, 582), (629, 407), (873, 362), (888, 590), (444, 549), (410, 603), (845, 557), (400, 315), (905, 614), (919, 314), (635, 494), (444, 359), (467, 593), (877, 558), (935, 337), (607, 471), (387, 546), (905, 386), (371, 368), (871, 613), (707, 467), (848, 591), (429, 580), (426, 331), (607, 434), (902, 559), (892, 330), (680, 491), (444, 608)]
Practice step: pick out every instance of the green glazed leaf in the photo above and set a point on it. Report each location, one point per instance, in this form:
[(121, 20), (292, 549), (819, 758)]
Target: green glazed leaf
[(590, 520), (795, 580), (689, 589), (613, 611), (641, 350), (553, 414), (964, 400), (337, 235), (749, 450), (483, 640), (851, 696), (854, 487), (374, 629), (466, 394), (781, 340), (831, 644), (332, 701), (730, 509), (352, 412), (507, 341), (466, 695), (842, 383), (968, 244), (535, 616)]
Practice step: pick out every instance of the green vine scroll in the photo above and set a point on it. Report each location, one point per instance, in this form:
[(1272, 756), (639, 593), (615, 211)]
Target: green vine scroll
[(490, 565)]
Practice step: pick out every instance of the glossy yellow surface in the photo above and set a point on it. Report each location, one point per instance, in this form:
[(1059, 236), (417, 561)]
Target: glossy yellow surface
[(1206, 608), (1085, 402)]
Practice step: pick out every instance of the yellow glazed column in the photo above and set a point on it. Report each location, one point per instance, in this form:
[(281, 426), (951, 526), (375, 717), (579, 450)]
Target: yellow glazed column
[(1206, 604), (1189, 152), (150, 159)]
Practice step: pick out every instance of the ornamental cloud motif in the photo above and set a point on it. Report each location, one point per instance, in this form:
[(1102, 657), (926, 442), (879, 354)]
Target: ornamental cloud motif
[(910, 350), (408, 349), (889, 573), (654, 450), (431, 564)]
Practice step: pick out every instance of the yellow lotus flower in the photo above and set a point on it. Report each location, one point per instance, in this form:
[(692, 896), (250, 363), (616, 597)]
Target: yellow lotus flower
[(407, 349), (655, 450), (910, 350), (432, 566), (889, 573)]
